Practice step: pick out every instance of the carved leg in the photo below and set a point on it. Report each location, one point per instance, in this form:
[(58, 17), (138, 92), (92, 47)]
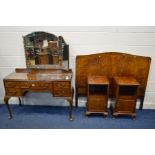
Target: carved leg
[(70, 109), (22, 98), (141, 103), (76, 100), (72, 94), (6, 100), (20, 103), (105, 115), (114, 116), (87, 114), (133, 116)]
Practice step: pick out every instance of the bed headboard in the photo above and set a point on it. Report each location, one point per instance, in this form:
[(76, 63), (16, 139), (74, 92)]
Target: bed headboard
[(111, 64)]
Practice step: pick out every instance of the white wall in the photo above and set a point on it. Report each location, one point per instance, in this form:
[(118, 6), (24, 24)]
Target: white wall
[(82, 40)]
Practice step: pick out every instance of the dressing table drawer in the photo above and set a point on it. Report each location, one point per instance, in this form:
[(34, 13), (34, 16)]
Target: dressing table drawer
[(12, 92), (61, 85), (40, 85), (25, 85), (61, 88), (11, 84), (61, 93)]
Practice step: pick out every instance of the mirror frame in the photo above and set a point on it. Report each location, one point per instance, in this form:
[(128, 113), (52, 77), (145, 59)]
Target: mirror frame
[(37, 44)]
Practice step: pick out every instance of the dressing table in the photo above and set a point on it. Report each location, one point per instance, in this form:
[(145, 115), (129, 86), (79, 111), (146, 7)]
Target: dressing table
[(41, 77)]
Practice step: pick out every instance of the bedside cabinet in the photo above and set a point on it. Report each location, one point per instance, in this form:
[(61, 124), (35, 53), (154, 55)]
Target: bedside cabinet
[(97, 95), (126, 90)]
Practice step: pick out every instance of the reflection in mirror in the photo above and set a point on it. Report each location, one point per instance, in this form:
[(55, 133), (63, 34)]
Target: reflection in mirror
[(45, 50)]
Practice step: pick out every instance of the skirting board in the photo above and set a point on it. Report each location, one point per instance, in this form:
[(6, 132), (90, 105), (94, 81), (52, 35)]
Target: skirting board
[(46, 99)]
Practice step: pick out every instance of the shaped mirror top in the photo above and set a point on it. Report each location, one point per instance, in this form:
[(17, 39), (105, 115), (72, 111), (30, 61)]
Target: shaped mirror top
[(45, 50)]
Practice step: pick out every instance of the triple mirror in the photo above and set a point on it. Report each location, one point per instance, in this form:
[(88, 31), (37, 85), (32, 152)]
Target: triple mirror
[(45, 50)]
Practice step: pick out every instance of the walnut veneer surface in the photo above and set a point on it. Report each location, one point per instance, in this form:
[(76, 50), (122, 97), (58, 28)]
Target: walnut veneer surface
[(97, 80), (111, 64), (123, 80), (97, 96), (57, 82), (126, 89)]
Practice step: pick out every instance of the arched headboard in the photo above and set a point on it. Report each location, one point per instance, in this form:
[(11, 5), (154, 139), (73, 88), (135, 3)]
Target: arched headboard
[(111, 64)]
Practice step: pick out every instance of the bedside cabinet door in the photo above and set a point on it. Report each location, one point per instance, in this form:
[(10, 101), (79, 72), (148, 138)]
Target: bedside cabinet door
[(96, 104)]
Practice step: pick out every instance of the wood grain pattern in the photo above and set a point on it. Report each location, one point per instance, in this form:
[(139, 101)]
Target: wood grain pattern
[(57, 82), (97, 95), (111, 64), (126, 91), (97, 80)]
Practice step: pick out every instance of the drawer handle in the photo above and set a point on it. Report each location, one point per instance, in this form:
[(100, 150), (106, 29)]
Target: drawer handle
[(24, 87), (12, 92), (33, 85)]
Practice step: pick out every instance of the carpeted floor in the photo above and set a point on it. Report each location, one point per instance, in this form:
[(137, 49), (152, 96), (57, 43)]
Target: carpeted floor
[(48, 117)]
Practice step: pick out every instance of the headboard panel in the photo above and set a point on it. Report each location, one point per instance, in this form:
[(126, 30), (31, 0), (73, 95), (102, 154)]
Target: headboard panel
[(111, 64)]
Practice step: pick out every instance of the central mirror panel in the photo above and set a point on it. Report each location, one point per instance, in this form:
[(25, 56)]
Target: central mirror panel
[(45, 50)]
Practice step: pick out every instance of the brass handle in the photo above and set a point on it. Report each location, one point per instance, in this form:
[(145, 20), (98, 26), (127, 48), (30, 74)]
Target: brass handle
[(33, 85)]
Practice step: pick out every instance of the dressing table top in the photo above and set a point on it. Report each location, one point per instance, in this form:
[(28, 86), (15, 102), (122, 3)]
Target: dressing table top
[(40, 75)]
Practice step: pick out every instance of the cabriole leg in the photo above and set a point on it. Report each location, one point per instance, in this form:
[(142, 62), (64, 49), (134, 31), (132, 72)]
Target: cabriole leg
[(6, 100), (70, 109)]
